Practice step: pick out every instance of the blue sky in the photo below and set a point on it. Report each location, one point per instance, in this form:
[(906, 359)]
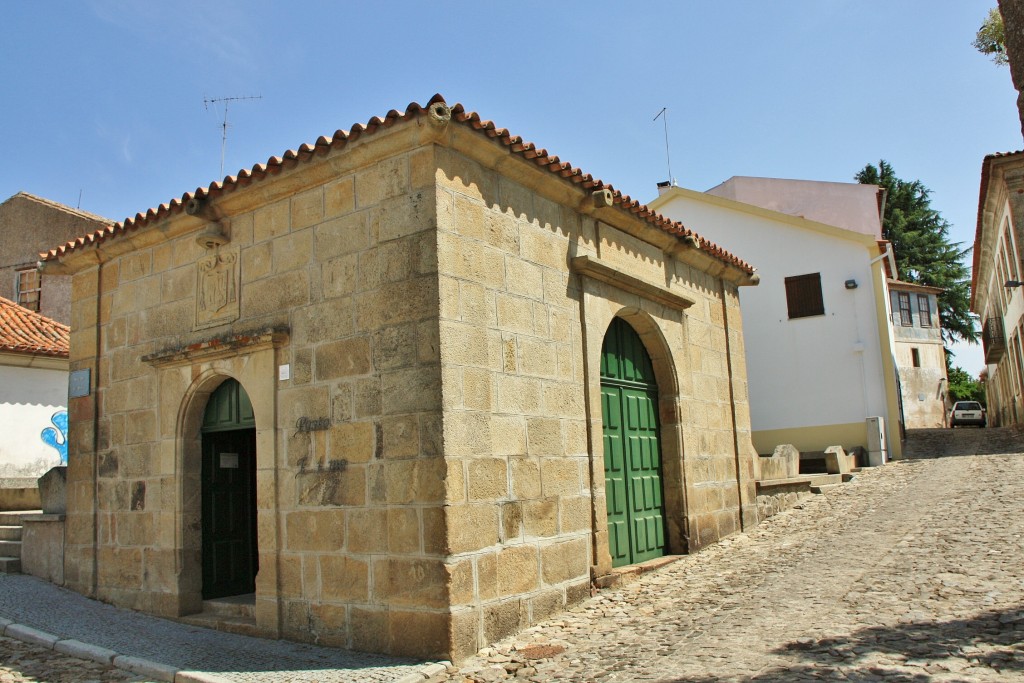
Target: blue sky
[(105, 97)]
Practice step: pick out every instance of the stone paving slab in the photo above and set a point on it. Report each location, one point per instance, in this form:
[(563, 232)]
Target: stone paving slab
[(158, 649), (912, 572)]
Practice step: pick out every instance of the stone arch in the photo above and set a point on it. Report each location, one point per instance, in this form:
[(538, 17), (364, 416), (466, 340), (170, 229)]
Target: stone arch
[(189, 440), (651, 328), (188, 459)]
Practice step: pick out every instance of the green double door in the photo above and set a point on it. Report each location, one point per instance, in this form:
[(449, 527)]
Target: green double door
[(632, 455), (230, 552)]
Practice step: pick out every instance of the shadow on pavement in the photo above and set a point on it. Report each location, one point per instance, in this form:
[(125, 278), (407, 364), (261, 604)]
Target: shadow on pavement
[(915, 651)]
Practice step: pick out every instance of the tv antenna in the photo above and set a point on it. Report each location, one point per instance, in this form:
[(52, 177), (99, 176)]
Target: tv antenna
[(207, 101), (663, 114)]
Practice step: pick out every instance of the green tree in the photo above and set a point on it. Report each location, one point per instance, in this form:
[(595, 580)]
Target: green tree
[(924, 254), (963, 387), (991, 39), (1002, 36)]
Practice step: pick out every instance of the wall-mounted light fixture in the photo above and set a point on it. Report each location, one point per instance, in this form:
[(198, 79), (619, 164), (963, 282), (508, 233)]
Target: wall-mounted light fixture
[(1010, 284), (851, 284)]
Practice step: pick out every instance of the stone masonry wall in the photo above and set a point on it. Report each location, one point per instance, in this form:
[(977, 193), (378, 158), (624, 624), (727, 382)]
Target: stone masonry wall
[(350, 530), (525, 489), (433, 309)]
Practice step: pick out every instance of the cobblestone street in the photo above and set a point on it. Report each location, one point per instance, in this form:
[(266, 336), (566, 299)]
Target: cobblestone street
[(912, 572), (26, 663)]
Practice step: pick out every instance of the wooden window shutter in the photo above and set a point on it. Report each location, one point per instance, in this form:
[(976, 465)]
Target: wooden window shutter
[(803, 296)]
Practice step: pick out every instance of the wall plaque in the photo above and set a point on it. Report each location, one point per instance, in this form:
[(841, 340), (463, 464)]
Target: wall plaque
[(217, 289), (78, 383)]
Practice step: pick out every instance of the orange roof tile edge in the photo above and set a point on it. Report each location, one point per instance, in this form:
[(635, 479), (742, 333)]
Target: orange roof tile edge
[(25, 331), (514, 143)]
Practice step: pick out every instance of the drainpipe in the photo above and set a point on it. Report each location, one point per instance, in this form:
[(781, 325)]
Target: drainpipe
[(892, 261)]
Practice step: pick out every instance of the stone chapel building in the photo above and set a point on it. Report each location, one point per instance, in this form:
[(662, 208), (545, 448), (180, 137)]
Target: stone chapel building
[(413, 387)]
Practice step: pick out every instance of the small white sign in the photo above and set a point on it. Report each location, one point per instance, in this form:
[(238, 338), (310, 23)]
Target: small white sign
[(284, 372), (229, 461)]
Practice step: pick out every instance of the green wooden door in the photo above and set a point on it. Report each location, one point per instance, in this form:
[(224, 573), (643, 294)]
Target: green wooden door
[(230, 553), (632, 456)]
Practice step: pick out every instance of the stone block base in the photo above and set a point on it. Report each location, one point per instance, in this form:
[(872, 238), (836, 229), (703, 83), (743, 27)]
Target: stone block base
[(42, 547)]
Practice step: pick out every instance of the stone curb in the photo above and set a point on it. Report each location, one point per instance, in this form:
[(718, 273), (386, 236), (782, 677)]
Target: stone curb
[(199, 677), (145, 667), (31, 635), (148, 668), (76, 648)]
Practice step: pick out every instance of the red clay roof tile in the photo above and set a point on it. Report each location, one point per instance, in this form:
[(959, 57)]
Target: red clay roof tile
[(25, 331), (515, 144)]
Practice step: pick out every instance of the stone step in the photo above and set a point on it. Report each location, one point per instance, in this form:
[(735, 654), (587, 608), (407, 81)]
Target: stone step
[(241, 625), (242, 606), (10, 565), (825, 480), (824, 488), (16, 517), (10, 533), (10, 549)]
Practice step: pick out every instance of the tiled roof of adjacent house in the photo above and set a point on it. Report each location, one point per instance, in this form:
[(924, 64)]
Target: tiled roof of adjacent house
[(60, 207), (515, 145), (25, 331), (913, 286)]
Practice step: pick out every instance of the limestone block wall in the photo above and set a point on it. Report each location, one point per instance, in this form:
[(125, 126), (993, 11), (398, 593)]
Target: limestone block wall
[(520, 335), (440, 308), (339, 262), (518, 493)]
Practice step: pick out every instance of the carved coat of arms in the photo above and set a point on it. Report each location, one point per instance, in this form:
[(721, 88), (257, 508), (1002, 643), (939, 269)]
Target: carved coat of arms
[(217, 289)]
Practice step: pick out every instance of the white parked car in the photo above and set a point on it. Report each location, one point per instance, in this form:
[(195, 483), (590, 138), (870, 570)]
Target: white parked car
[(967, 413)]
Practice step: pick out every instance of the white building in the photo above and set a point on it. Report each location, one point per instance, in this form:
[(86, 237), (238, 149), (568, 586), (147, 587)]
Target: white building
[(33, 391), (997, 264), (819, 344)]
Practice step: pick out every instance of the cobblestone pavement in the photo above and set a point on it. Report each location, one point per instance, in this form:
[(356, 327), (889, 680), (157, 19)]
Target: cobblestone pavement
[(911, 572), (26, 663), (31, 602)]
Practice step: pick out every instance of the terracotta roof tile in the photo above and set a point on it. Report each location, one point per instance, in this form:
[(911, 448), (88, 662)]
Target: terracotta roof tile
[(514, 143), (25, 331)]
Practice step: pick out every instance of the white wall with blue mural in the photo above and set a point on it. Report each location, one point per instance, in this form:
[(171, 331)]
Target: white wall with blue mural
[(33, 420)]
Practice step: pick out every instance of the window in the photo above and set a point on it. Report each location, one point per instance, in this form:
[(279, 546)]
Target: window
[(28, 285), (915, 356), (1011, 251), (906, 317), (803, 296), (924, 310)]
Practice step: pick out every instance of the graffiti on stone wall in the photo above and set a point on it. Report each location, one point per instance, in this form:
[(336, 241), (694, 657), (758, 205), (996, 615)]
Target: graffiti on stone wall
[(58, 438)]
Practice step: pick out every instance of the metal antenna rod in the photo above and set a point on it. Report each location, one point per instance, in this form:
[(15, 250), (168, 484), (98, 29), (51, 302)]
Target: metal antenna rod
[(207, 101), (664, 110)]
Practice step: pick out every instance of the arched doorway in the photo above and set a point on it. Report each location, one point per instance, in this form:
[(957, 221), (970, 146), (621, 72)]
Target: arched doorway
[(229, 549), (632, 454)]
